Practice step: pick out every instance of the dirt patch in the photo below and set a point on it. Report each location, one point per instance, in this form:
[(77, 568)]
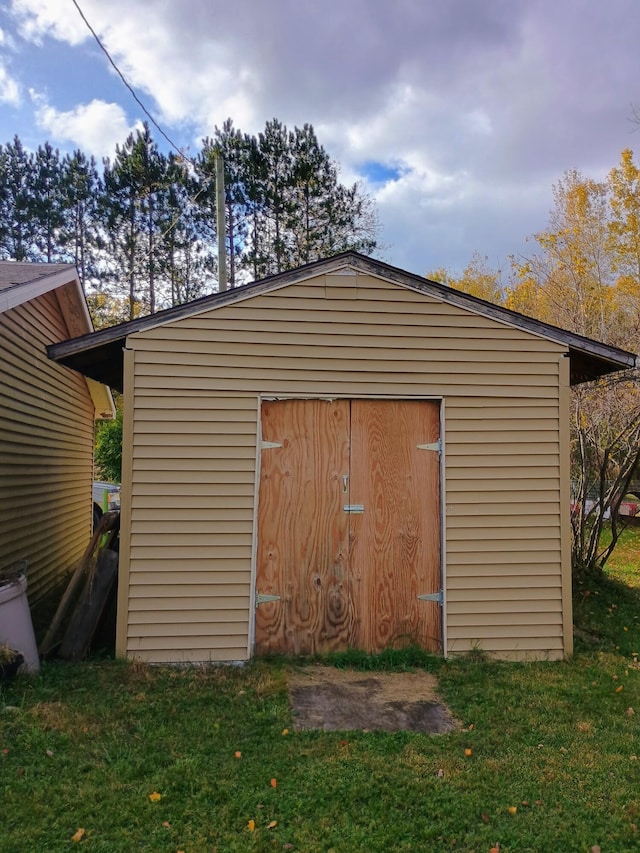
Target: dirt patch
[(343, 700)]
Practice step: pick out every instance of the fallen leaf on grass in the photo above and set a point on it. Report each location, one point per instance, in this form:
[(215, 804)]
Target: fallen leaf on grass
[(50, 753), (485, 817), (285, 731), (495, 849), (272, 824), (512, 809), (77, 836), (274, 783), (629, 712), (155, 797), (238, 754), (595, 848), (251, 825), (166, 824), (468, 752), (620, 689), (440, 773)]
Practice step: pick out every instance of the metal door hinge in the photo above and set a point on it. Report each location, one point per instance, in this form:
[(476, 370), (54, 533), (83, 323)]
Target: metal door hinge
[(262, 598), (354, 507), (434, 445), (433, 596)]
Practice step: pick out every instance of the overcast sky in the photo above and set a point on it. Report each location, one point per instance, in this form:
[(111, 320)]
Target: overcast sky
[(458, 115)]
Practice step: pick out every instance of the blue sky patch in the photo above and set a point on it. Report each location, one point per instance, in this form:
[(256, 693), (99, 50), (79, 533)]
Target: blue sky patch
[(380, 173)]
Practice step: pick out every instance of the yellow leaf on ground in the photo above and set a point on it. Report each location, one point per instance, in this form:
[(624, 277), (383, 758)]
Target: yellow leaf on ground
[(285, 731), (274, 783), (155, 797), (272, 824), (77, 836), (620, 689), (468, 752), (512, 809), (251, 825)]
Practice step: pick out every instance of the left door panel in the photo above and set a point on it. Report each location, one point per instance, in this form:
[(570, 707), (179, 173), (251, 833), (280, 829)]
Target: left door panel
[(302, 565)]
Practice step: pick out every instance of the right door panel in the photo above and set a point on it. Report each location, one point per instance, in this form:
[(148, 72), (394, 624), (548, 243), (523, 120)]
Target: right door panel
[(394, 548)]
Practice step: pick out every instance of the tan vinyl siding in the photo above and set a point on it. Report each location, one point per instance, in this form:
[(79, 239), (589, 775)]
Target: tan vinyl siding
[(46, 448), (194, 431)]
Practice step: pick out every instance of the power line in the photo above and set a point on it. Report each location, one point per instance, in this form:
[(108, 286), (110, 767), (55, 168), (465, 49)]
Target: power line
[(127, 84)]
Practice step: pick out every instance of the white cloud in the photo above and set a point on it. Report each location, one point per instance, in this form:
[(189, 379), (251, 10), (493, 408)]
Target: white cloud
[(9, 89), (95, 127), (57, 19)]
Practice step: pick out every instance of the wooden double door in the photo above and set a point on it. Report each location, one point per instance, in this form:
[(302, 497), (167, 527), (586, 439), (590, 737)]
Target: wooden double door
[(348, 548)]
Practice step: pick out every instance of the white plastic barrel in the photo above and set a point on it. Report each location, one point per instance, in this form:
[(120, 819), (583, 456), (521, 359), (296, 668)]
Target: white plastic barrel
[(16, 627)]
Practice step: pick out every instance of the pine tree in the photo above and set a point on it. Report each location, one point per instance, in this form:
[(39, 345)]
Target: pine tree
[(17, 232)]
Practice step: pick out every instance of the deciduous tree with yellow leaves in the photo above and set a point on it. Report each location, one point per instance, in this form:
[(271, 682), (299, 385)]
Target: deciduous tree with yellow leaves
[(584, 276)]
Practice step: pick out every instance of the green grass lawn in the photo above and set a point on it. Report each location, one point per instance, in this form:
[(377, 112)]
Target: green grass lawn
[(554, 763)]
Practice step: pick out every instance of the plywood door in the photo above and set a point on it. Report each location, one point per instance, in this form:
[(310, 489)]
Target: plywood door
[(394, 552), (348, 579), (303, 530)]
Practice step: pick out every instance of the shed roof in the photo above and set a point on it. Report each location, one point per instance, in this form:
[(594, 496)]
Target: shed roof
[(22, 281), (100, 355)]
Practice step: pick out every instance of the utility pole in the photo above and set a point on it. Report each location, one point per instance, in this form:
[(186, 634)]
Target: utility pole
[(220, 224)]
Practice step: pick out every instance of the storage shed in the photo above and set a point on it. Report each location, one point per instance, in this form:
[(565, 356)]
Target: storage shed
[(344, 455), (46, 423)]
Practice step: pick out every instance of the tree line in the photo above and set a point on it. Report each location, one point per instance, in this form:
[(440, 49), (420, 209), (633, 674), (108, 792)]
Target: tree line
[(584, 276), (141, 227)]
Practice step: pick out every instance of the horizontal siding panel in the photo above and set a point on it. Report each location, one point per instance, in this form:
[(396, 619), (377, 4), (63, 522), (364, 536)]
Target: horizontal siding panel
[(191, 540), (278, 357), (536, 578), (518, 545), (220, 463), (510, 598), (508, 448), (191, 530), (169, 559), (395, 385), (204, 655), (223, 512), (149, 476), (502, 561), (155, 420), (514, 462), (152, 607), (195, 590), (195, 447), (486, 434), (504, 534), (511, 647), (186, 645), (544, 474), (189, 490), (550, 618), (187, 626), (206, 335), (544, 375), (528, 512), (484, 633)]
